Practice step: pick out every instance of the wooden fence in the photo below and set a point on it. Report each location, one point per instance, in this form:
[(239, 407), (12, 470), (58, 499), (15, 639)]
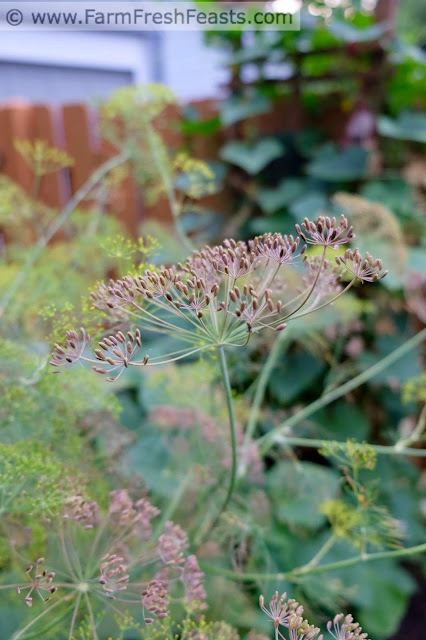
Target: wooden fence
[(74, 128)]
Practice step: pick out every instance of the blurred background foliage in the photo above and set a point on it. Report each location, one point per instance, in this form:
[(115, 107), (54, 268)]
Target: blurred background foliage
[(328, 119)]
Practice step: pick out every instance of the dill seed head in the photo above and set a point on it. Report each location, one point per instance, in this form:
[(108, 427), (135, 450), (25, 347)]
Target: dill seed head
[(41, 583), (221, 296), (155, 601), (326, 232), (344, 628), (367, 268)]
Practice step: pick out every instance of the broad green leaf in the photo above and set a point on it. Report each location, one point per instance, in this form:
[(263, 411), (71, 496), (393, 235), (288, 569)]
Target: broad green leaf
[(238, 108), (340, 422), (207, 127), (251, 54), (252, 157), (416, 260), (409, 366), (332, 165), (400, 48), (379, 591), (307, 141), (385, 609), (350, 33), (279, 222), (297, 489), (397, 195), (296, 373), (150, 458), (402, 492), (311, 205), (408, 126), (282, 195)]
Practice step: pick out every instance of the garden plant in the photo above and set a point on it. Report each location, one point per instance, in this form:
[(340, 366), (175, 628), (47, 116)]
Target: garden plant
[(235, 423)]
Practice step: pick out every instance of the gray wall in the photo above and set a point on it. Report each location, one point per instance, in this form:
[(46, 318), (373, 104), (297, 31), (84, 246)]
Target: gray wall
[(56, 85)]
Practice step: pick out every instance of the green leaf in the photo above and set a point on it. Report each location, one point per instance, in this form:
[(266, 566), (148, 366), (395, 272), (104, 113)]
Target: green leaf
[(416, 260), (333, 165), (150, 458), (252, 157), (342, 421), (310, 205), (397, 195), (379, 591), (403, 503), (251, 54), (307, 141), (350, 33), (297, 489), (295, 374), (409, 366), (408, 126), (382, 615), (275, 223), (208, 127), (238, 108), (282, 195)]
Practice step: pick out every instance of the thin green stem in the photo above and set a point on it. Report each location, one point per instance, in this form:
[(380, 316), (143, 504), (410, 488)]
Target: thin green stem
[(295, 574), (20, 633), (74, 616), (329, 543), (172, 504), (54, 227), (168, 185), (417, 433), (382, 449), (326, 304), (230, 407), (262, 381), (91, 617), (278, 434)]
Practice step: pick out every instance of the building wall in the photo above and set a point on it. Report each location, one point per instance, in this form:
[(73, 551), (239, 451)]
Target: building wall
[(59, 67)]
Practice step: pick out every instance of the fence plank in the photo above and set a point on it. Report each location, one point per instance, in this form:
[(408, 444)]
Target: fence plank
[(16, 124), (78, 143), (53, 191)]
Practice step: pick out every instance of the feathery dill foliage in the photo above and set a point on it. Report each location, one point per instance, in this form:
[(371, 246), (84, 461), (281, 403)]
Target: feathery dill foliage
[(32, 480), (126, 120), (101, 565), (415, 389), (36, 404), (221, 296), (357, 516)]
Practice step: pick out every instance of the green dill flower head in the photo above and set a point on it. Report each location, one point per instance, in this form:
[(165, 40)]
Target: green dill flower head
[(415, 389), (41, 158), (352, 454)]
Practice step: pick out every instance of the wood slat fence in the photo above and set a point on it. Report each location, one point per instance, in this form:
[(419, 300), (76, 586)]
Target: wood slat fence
[(74, 128)]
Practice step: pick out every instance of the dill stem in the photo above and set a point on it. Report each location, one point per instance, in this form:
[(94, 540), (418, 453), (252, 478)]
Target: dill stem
[(57, 223), (296, 573), (262, 381), (278, 434), (233, 438)]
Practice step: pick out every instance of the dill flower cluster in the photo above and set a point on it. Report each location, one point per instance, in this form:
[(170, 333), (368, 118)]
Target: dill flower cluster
[(222, 295), (114, 560)]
